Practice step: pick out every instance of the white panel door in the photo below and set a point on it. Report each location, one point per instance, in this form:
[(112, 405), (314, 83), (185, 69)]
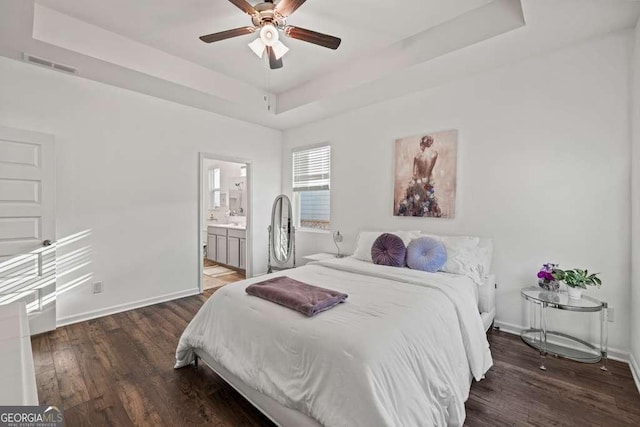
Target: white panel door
[(27, 220)]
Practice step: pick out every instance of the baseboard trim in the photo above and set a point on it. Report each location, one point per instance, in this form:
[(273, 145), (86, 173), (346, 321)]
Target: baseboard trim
[(635, 371), (613, 353), (82, 317)]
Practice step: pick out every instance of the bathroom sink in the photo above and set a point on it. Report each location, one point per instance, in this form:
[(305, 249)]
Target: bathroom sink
[(234, 225)]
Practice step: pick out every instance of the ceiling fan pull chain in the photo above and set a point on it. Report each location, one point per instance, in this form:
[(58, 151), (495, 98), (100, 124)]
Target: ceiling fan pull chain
[(267, 96)]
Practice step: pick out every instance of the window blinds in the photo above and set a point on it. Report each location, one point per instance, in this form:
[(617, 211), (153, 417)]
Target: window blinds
[(214, 179), (312, 169)]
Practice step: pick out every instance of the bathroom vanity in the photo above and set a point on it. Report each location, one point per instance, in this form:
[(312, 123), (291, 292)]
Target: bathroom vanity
[(227, 244)]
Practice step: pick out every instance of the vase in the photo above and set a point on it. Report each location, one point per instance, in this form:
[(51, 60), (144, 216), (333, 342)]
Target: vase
[(574, 293), (549, 285)]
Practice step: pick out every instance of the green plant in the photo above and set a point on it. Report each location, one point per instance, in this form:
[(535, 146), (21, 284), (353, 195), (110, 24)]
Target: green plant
[(577, 278)]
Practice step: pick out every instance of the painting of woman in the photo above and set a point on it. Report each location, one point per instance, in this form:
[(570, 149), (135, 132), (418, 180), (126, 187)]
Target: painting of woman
[(426, 175)]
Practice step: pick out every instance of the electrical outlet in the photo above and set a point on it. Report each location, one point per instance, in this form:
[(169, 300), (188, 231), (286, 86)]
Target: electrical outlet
[(97, 288), (610, 314)]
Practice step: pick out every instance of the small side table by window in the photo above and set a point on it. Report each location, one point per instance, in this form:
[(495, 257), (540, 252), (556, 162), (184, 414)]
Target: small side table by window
[(562, 344)]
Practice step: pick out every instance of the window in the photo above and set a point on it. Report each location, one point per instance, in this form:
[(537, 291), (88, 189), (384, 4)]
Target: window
[(214, 188), (311, 187)]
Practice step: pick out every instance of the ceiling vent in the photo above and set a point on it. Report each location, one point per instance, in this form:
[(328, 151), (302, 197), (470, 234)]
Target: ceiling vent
[(49, 64)]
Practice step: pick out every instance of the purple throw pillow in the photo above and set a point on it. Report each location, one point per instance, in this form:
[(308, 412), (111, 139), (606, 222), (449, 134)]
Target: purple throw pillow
[(389, 249), (426, 254)]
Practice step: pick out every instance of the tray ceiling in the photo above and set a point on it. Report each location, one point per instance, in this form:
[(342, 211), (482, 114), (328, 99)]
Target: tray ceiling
[(389, 49)]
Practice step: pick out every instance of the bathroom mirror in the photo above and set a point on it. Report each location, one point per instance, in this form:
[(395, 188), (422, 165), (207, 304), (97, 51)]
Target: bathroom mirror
[(238, 195), (281, 232)]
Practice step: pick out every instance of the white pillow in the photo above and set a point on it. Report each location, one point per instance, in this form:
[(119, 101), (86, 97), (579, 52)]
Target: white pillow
[(486, 253), (366, 239), (456, 241), (465, 256)]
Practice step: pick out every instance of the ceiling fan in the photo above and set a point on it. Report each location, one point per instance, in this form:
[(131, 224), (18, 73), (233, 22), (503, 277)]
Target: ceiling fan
[(269, 20)]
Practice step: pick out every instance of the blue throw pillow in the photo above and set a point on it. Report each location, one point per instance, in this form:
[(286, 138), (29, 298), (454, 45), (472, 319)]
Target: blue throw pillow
[(426, 254)]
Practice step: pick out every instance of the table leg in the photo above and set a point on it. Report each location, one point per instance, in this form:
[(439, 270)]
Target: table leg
[(604, 335), (532, 311), (543, 335)]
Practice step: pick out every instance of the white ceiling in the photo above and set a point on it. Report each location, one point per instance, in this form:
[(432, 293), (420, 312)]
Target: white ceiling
[(388, 50), (174, 26)]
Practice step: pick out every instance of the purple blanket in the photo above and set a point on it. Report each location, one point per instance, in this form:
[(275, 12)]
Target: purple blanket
[(307, 299)]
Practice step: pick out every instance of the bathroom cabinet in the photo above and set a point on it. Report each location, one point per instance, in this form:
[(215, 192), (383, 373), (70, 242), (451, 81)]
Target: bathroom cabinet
[(226, 245)]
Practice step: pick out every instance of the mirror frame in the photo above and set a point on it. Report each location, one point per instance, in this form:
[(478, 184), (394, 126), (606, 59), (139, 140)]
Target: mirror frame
[(291, 231)]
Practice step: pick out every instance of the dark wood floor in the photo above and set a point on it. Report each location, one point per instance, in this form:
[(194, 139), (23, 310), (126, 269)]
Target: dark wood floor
[(210, 282), (118, 370)]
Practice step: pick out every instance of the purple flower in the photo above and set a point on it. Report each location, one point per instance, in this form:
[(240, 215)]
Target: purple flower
[(546, 272)]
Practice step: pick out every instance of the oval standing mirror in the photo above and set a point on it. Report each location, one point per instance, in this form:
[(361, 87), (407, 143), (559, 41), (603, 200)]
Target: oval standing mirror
[(281, 230)]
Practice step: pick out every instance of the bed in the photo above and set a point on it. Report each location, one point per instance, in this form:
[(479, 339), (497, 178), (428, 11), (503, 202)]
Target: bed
[(401, 351)]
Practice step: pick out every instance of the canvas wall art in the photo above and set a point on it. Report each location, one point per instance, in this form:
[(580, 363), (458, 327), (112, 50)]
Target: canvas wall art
[(425, 175)]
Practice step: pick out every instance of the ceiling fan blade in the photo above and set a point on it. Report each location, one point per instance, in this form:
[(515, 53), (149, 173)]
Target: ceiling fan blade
[(312, 37), (274, 63), (244, 6), (222, 35), (287, 7)]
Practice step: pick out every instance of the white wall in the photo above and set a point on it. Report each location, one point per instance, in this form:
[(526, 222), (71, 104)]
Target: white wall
[(635, 209), (127, 169), (543, 169)]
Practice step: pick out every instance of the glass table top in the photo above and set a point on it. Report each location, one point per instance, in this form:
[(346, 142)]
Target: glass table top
[(561, 299)]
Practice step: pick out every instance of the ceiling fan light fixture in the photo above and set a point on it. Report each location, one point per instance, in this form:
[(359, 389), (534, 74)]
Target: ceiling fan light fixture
[(257, 46), (268, 19), (279, 49), (269, 35)]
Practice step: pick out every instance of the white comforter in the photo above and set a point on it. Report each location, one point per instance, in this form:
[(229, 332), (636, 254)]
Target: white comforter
[(399, 352)]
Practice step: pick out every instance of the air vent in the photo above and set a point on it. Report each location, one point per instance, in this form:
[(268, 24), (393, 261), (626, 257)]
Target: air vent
[(49, 64), (65, 68), (39, 61)]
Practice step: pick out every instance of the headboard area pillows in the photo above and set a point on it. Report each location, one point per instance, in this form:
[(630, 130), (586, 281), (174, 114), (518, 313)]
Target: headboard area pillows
[(389, 249), (426, 254), (366, 239), (467, 255)]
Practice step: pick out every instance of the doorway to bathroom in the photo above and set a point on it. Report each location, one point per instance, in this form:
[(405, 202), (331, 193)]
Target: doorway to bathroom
[(224, 221)]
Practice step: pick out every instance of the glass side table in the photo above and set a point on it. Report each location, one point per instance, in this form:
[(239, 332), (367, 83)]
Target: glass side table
[(561, 344)]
